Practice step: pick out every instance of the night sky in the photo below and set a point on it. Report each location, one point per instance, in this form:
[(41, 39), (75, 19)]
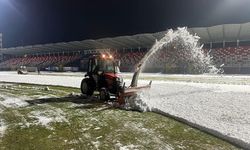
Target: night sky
[(25, 22)]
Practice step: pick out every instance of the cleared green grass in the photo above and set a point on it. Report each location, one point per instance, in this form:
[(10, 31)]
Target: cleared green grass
[(72, 122)]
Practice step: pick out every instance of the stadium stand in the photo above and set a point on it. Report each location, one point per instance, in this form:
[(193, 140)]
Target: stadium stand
[(235, 59), (129, 60), (38, 61), (228, 44)]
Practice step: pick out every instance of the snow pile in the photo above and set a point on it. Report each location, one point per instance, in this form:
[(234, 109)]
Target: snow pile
[(46, 117), (138, 102)]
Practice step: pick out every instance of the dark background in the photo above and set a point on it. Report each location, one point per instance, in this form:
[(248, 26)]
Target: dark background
[(25, 22)]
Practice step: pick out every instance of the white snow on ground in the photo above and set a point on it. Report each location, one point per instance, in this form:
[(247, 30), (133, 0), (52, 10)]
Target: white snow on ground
[(220, 107), (96, 144), (120, 146), (43, 120), (138, 127), (45, 117), (41, 79), (11, 102), (3, 127)]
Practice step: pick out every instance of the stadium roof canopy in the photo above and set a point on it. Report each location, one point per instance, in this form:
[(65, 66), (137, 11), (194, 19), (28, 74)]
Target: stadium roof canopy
[(214, 34)]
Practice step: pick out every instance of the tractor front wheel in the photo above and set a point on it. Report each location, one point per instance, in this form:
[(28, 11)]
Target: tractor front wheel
[(86, 87), (104, 95)]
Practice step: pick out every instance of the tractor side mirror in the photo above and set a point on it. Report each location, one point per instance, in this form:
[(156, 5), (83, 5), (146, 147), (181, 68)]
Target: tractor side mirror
[(118, 63)]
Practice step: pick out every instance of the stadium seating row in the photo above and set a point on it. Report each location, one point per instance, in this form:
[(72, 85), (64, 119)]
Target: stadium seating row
[(38, 61), (230, 57)]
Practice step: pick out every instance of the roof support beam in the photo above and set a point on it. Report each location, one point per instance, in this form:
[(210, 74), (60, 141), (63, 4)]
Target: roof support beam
[(238, 36), (223, 32), (209, 35)]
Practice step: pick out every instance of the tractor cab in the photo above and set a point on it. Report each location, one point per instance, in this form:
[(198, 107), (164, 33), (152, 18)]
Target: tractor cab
[(103, 76), (103, 64)]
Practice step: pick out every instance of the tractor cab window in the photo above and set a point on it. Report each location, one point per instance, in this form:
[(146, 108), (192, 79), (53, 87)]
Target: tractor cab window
[(107, 66), (92, 66)]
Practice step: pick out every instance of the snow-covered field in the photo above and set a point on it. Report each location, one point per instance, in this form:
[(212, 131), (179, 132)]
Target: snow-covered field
[(222, 109)]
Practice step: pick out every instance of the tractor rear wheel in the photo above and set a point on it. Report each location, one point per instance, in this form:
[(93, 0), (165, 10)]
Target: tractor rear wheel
[(87, 88)]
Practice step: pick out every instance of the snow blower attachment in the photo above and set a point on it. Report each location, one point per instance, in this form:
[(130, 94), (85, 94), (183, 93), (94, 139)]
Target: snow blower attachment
[(103, 76), (133, 89)]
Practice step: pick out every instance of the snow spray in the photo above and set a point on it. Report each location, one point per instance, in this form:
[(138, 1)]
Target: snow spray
[(185, 48)]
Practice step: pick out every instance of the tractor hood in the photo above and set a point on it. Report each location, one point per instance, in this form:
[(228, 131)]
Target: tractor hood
[(112, 75)]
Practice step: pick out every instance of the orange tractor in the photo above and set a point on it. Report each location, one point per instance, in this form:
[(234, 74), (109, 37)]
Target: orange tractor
[(103, 75)]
